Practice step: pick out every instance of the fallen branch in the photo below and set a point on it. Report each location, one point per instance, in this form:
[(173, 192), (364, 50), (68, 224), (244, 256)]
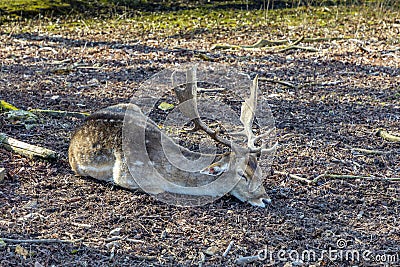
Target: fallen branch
[(387, 136), (25, 149), (60, 113), (38, 241), (361, 45)]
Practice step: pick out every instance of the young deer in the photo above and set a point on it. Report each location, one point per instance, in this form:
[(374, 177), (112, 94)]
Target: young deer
[(97, 150)]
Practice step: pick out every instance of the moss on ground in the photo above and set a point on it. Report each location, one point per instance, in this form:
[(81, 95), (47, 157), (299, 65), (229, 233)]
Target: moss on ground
[(190, 19)]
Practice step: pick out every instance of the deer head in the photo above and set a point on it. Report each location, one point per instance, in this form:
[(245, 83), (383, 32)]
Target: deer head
[(240, 161)]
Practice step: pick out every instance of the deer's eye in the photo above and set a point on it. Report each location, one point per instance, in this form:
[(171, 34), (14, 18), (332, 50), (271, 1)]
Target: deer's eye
[(242, 174)]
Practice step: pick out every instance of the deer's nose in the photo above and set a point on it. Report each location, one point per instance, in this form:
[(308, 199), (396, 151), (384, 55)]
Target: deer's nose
[(266, 201)]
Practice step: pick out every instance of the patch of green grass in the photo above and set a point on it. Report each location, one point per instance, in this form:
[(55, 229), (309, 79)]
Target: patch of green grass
[(21, 6), (309, 21)]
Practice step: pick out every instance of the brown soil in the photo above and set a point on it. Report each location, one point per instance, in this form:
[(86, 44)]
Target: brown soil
[(353, 94)]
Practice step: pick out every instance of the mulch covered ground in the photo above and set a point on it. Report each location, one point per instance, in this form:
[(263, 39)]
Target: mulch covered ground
[(343, 95)]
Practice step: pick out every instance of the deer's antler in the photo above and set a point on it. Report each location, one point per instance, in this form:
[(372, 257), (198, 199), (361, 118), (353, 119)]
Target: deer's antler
[(188, 106), (247, 114)]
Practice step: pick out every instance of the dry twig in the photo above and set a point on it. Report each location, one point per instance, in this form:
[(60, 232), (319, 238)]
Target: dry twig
[(6, 106), (295, 177), (334, 176), (285, 83), (366, 151), (387, 136), (228, 249)]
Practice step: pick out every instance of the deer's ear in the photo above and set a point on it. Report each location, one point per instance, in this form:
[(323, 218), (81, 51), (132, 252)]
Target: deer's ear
[(215, 169)]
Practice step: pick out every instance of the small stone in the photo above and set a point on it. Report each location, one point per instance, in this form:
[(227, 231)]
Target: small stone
[(359, 215), (93, 81), (2, 174), (115, 231), (211, 251), (163, 234)]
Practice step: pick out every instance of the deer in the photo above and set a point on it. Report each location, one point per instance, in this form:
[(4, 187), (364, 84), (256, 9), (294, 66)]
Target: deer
[(106, 148)]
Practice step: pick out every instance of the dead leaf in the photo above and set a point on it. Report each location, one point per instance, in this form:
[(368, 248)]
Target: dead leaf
[(21, 251), (166, 106)]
